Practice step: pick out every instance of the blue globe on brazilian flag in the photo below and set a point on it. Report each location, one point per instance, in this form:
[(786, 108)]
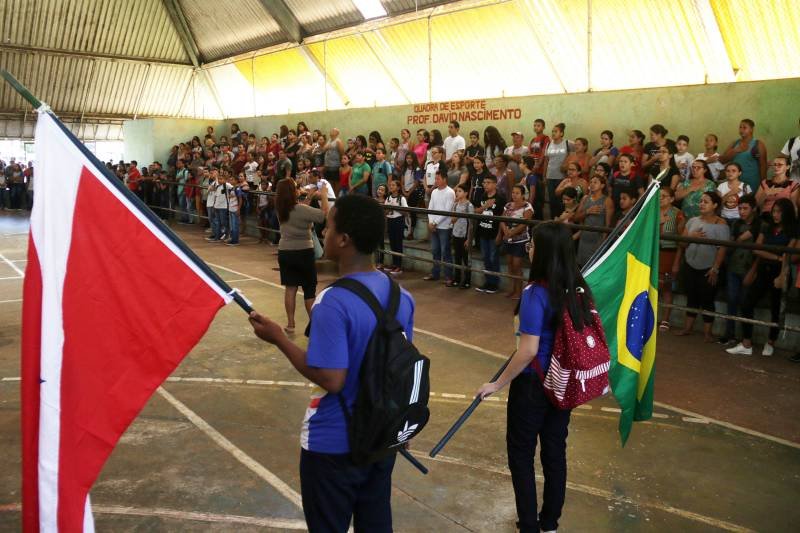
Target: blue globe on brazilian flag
[(624, 283)]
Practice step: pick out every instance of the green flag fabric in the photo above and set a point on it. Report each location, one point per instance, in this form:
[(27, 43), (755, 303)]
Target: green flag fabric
[(624, 283)]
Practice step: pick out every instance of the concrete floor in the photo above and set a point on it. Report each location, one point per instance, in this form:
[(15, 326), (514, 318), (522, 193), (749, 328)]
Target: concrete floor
[(218, 449)]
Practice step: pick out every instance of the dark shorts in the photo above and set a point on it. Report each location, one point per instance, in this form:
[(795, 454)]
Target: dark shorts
[(515, 249), (298, 269)]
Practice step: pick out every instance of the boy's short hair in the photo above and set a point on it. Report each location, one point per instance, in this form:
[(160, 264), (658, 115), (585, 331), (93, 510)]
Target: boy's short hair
[(749, 199), (682, 138), (631, 192), (490, 177), (361, 218)]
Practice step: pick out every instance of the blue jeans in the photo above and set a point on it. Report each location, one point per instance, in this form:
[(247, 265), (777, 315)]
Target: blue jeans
[(734, 294), (184, 208), (234, 225), (556, 207), (212, 220), (220, 223), (491, 261), (440, 248)]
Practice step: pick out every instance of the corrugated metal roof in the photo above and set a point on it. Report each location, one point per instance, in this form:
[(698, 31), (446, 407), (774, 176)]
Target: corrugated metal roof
[(325, 15), (225, 29), (118, 27), (394, 7)]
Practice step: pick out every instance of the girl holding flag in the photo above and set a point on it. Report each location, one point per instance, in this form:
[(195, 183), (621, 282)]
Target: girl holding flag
[(553, 286)]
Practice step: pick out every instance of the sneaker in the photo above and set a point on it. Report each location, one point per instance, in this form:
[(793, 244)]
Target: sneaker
[(768, 350), (396, 271), (232, 243), (795, 358), (490, 290), (208, 230), (211, 239), (464, 286), (481, 289), (740, 349)]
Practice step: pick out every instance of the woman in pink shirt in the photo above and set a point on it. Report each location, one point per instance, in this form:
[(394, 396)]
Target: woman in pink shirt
[(421, 148)]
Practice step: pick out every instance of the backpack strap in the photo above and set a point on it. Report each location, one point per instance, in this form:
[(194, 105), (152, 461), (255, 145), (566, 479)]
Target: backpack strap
[(360, 290)]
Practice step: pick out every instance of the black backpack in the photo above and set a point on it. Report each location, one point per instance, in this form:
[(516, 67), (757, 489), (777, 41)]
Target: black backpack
[(391, 404)]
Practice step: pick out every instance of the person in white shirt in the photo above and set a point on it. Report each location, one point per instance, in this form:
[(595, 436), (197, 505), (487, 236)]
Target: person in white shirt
[(250, 170), (683, 159), (431, 169), (711, 156), (791, 149), (454, 142), (441, 226)]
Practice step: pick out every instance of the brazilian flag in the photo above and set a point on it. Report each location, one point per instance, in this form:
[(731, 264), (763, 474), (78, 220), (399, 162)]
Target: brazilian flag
[(624, 283)]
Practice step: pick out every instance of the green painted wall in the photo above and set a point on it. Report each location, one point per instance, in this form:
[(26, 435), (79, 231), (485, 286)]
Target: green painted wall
[(149, 140), (692, 110)]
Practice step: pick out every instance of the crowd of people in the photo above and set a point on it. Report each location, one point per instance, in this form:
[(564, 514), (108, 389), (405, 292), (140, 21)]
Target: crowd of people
[(734, 192), (16, 185)]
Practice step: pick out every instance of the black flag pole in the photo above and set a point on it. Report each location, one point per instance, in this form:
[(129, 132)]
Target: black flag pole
[(467, 412), (607, 243), (41, 107)]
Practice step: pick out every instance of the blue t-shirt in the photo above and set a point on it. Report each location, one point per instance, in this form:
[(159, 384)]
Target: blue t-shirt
[(536, 318), (341, 326)]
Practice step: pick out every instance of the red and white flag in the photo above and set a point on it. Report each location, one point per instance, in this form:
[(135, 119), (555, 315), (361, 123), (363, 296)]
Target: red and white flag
[(112, 303)]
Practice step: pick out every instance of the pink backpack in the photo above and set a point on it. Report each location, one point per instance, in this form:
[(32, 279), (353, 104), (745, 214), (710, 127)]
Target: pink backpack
[(578, 371)]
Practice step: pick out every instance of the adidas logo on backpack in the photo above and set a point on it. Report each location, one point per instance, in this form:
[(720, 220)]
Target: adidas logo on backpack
[(391, 405)]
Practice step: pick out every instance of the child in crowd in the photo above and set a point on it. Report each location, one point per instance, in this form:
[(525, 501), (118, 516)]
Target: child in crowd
[(462, 237), (627, 199), (241, 190), (683, 159), (711, 156), (569, 198), (492, 204), (380, 196), (731, 190), (746, 228), (264, 211), (514, 237), (395, 223), (233, 211), (669, 259)]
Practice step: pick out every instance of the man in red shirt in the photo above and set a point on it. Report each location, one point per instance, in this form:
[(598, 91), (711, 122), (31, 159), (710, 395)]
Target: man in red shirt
[(133, 178), (536, 150)]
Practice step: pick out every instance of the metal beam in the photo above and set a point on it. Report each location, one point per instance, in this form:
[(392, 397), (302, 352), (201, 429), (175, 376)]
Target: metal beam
[(305, 52), (385, 69), (213, 88), (182, 28), (285, 19), (89, 55)]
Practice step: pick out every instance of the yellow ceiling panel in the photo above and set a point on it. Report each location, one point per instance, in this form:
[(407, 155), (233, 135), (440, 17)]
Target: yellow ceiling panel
[(762, 37), (488, 52), (644, 43), (403, 49), (357, 71)]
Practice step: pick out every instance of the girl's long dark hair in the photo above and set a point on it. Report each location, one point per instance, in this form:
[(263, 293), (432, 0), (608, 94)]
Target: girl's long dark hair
[(788, 223), (554, 266), (286, 198)]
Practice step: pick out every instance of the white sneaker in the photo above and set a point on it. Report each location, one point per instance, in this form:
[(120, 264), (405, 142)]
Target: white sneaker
[(767, 351), (740, 349)]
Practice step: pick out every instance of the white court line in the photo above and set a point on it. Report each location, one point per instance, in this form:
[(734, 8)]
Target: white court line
[(12, 265), (9, 301), (497, 355), (277, 523), (19, 260), (288, 492), (238, 280), (12, 277), (601, 493)]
